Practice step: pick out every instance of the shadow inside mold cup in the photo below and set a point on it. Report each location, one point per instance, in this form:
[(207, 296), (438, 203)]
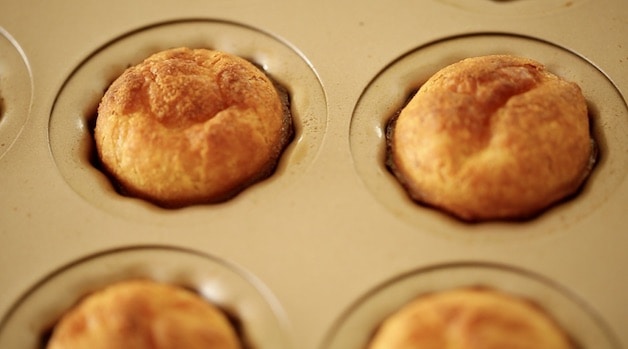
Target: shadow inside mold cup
[(1, 107)]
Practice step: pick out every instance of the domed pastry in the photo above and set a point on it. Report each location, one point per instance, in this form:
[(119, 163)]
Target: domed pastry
[(492, 137), (189, 126), (470, 318), (144, 314)]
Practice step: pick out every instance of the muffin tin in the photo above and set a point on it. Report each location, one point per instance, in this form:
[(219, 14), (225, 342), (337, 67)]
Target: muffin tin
[(254, 311), (359, 323), (73, 114), (316, 255), (15, 91)]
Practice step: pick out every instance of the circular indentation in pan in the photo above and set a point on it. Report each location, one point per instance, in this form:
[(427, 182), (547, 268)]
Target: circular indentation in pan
[(514, 7), (74, 111), (391, 88), (15, 91), (356, 326), (257, 313)]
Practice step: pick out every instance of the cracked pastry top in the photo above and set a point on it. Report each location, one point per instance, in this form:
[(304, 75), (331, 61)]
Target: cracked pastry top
[(144, 314), (191, 126), (492, 137), (470, 318)]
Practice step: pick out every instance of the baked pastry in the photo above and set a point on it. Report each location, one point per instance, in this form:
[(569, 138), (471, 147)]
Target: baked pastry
[(492, 137), (144, 314), (189, 126), (470, 318)]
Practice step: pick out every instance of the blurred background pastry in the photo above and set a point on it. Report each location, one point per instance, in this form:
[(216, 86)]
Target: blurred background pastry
[(143, 314), (470, 318)]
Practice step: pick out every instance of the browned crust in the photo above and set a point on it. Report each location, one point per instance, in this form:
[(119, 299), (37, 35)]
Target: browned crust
[(143, 314), (190, 126), (493, 137), (470, 318)]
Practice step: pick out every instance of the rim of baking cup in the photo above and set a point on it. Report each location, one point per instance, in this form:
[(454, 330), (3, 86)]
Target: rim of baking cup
[(390, 89), (16, 90), (74, 111), (356, 325), (515, 8), (258, 316)]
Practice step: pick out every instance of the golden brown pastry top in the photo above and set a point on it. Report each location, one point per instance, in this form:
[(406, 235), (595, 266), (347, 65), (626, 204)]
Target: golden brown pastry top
[(189, 126), (144, 315), (470, 318), (493, 137), (182, 87)]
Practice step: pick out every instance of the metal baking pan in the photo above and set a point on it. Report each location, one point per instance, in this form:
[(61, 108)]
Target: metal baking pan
[(316, 255)]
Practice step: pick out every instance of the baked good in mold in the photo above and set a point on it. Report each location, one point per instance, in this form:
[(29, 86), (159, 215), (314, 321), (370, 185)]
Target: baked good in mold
[(191, 126), (144, 314), (470, 318), (491, 138)]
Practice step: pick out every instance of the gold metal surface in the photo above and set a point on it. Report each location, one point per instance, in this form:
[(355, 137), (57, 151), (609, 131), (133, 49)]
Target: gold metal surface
[(327, 228)]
